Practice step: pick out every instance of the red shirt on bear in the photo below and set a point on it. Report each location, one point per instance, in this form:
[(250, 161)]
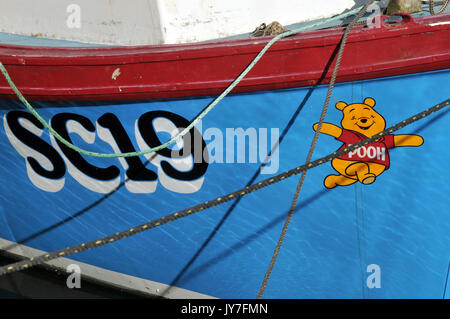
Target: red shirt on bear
[(376, 152)]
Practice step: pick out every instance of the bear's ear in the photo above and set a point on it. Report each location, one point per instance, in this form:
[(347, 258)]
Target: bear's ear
[(341, 105), (369, 101)]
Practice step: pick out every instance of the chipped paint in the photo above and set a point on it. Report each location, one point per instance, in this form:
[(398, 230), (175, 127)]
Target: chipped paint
[(148, 22), (116, 74)]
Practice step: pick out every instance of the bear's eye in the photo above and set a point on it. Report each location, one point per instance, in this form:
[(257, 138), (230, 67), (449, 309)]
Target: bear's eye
[(372, 116)]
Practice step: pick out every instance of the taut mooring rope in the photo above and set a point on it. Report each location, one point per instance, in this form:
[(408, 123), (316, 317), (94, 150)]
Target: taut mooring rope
[(311, 149), (441, 10)]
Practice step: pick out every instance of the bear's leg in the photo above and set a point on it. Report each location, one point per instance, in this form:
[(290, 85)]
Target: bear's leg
[(331, 181), (362, 172)]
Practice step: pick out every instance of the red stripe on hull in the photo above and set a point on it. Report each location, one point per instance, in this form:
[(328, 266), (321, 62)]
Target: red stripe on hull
[(168, 71)]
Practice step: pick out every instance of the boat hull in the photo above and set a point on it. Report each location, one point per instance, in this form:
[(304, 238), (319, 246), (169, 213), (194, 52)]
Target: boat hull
[(51, 199), (208, 68)]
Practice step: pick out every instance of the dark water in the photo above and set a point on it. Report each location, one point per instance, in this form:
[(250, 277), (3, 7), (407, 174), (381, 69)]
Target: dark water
[(39, 283)]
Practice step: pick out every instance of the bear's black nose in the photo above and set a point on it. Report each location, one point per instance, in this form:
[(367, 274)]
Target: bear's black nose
[(363, 120)]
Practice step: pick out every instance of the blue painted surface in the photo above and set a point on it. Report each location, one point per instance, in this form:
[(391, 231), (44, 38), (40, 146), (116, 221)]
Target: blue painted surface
[(402, 219), (18, 39)]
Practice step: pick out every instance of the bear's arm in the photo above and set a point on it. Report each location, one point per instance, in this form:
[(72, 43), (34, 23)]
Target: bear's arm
[(408, 140), (329, 129)]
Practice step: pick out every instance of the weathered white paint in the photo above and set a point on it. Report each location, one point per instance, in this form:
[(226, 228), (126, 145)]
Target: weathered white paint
[(138, 22), (198, 20), (123, 22), (102, 275)]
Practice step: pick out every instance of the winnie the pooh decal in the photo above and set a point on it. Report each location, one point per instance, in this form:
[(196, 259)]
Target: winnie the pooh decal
[(359, 122)]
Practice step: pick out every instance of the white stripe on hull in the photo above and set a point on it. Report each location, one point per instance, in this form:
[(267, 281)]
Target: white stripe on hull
[(103, 276)]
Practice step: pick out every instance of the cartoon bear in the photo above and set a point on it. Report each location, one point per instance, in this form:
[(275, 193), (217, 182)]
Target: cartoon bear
[(359, 122)]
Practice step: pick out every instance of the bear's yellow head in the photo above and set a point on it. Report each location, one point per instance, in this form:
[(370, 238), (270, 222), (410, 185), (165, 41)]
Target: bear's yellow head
[(361, 117)]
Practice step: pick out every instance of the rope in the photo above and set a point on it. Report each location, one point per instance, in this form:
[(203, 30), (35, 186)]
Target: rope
[(311, 150), (24, 264), (431, 5), (193, 123)]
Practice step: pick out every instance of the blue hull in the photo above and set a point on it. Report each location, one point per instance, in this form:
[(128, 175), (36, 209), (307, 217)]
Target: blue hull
[(399, 223)]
